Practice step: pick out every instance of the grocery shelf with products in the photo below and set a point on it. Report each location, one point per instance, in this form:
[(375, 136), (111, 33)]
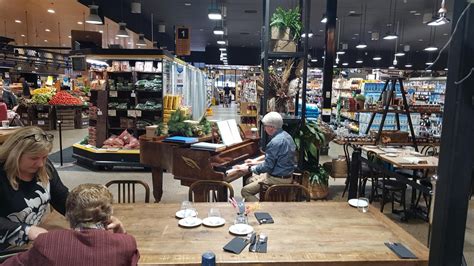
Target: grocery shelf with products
[(425, 110)]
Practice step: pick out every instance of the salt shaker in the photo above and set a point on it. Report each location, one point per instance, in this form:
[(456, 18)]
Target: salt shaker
[(208, 259)]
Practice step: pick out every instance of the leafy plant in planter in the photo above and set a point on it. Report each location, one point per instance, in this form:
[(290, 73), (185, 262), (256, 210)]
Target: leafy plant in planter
[(308, 138), (290, 18)]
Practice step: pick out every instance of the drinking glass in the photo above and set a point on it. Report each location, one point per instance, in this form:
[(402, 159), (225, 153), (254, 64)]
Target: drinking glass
[(363, 204), (241, 219), (214, 212), (187, 208)]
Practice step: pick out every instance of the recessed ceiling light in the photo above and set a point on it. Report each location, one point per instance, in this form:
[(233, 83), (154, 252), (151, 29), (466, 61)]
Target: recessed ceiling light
[(26, 43), (377, 58), (345, 64), (413, 11), (431, 48), (417, 14), (69, 36), (80, 22), (45, 40), (400, 54), (47, 30), (321, 30), (356, 34), (187, 4), (222, 49), (445, 34), (428, 63), (391, 67), (17, 21), (446, 69), (23, 35), (314, 60), (361, 46), (50, 10), (101, 31), (353, 38), (420, 40), (221, 42), (408, 65), (359, 61)]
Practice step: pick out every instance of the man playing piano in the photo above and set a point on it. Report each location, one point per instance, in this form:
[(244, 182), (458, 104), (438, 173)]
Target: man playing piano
[(278, 163)]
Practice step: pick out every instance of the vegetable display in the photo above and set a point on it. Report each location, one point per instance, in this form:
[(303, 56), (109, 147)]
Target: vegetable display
[(64, 98)]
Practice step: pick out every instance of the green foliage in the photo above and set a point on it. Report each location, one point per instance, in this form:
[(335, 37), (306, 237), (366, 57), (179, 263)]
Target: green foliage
[(161, 130), (205, 125), (309, 138), (288, 19), (176, 125), (360, 97), (84, 141)]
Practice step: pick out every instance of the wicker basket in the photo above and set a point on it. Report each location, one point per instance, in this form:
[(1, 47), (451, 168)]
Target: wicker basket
[(319, 191)]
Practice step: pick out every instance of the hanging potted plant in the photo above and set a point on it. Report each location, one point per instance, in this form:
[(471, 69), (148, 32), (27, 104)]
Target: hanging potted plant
[(285, 29)]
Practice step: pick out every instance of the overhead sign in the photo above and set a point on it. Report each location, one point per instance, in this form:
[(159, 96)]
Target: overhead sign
[(183, 41)]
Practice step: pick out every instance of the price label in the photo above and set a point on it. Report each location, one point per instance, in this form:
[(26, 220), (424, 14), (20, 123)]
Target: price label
[(41, 122), (113, 93), (131, 113), (138, 113), (112, 112), (133, 94)]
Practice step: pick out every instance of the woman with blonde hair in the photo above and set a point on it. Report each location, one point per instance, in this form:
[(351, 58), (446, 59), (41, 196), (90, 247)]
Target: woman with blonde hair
[(88, 209), (28, 182)]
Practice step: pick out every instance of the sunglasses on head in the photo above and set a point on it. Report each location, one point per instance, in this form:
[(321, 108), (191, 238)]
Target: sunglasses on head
[(38, 137)]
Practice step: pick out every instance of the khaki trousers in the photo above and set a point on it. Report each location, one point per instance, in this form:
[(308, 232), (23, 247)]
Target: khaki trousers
[(253, 187)]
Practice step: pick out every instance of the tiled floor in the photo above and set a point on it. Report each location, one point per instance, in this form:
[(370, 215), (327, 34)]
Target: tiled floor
[(174, 192)]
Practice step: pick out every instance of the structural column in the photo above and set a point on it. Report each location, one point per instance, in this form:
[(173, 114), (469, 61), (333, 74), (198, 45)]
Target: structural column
[(330, 53)]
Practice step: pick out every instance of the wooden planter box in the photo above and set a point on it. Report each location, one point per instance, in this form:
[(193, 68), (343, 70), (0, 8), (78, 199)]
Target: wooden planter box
[(280, 34), (287, 46)]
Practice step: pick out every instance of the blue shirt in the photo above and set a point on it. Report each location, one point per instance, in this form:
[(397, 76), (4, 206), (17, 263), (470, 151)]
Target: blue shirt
[(279, 156)]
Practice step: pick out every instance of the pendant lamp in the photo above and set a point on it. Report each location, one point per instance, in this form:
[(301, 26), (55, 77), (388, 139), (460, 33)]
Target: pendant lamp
[(93, 17)]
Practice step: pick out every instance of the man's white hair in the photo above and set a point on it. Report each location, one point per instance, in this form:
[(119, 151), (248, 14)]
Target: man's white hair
[(273, 119)]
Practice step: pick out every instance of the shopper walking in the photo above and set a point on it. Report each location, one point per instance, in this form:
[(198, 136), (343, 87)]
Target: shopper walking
[(227, 99)]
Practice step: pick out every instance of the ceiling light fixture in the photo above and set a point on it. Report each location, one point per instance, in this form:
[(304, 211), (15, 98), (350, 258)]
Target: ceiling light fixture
[(324, 19), (23, 35), (428, 63), (390, 35), (440, 18), (221, 42), (17, 21), (218, 30), (399, 54), (122, 32), (214, 12), (408, 65), (340, 52), (93, 17), (359, 61), (345, 64), (361, 45), (80, 22), (47, 30), (310, 35), (391, 67), (222, 49), (141, 40), (314, 60), (377, 58), (431, 48), (187, 4)]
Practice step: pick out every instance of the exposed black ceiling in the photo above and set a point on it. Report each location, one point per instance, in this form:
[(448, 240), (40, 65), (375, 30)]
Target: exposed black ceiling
[(244, 20)]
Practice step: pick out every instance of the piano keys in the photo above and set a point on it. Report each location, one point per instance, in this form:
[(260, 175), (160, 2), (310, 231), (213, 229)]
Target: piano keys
[(190, 165)]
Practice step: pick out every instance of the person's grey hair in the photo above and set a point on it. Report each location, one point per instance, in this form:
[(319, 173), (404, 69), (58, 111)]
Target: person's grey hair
[(273, 119)]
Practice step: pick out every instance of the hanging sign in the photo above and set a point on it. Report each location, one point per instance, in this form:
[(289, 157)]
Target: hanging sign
[(183, 41)]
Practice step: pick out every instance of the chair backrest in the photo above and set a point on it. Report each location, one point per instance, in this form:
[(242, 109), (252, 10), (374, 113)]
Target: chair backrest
[(210, 191), (430, 150), (126, 190), (287, 193)]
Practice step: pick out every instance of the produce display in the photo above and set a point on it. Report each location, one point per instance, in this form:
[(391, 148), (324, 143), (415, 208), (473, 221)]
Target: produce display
[(149, 106), (125, 140), (42, 95), (149, 85), (64, 98)]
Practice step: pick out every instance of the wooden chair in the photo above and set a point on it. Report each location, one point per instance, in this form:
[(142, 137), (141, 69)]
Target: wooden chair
[(210, 191), (297, 179), (126, 190), (287, 193)]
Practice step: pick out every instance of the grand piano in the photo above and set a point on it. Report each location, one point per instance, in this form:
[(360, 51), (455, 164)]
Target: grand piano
[(189, 165)]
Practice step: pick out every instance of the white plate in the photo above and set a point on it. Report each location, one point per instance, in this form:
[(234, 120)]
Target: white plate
[(241, 229), (356, 203), (190, 222), (391, 154), (213, 221), (10, 128), (390, 150), (180, 213)]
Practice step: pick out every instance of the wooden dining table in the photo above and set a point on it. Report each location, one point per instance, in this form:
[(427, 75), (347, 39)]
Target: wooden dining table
[(303, 233), (404, 158)]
